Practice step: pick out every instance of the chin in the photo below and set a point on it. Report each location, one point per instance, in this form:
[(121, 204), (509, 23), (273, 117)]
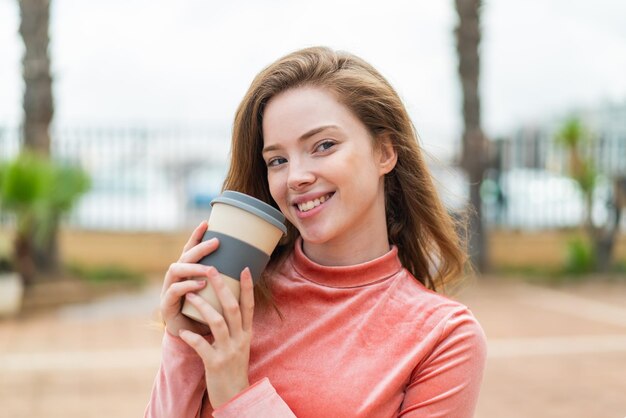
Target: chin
[(314, 238)]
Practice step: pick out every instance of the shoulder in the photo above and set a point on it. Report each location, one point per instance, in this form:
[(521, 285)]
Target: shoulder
[(451, 357), (438, 315), (414, 293)]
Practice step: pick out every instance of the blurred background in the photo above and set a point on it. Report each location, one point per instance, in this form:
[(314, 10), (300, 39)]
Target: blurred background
[(115, 123)]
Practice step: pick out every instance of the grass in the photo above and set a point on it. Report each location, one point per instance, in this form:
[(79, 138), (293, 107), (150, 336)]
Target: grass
[(107, 274), (560, 275)]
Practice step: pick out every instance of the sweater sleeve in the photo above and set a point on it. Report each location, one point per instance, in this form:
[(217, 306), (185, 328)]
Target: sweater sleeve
[(447, 382), (179, 386), (258, 401), (179, 390)]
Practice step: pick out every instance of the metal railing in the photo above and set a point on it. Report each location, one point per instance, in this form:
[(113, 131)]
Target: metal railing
[(528, 185), (143, 179), (162, 179)]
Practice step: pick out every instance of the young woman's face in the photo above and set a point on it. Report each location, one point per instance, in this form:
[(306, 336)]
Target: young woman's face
[(322, 168)]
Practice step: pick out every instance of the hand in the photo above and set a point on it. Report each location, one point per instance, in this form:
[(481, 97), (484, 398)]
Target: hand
[(177, 284), (226, 360)]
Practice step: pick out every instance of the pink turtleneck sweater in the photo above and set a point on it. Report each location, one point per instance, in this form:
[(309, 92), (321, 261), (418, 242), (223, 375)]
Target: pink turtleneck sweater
[(361, 341)]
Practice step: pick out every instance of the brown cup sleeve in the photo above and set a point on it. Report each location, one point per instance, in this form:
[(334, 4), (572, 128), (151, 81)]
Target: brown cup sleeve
[(233, 255)]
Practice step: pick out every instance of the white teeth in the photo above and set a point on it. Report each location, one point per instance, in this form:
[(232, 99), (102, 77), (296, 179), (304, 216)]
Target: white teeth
[(307, 206)]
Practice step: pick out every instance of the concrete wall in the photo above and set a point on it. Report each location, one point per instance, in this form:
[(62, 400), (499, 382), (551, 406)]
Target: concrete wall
[(545, 249), (154, 252)]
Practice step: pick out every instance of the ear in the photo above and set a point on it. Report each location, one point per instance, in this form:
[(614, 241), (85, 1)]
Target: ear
[(386, 155)]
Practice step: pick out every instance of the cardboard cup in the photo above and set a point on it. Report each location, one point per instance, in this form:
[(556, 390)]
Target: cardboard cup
[(248, 230)]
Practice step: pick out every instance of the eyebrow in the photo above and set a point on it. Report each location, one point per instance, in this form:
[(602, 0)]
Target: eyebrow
[(303, 137)]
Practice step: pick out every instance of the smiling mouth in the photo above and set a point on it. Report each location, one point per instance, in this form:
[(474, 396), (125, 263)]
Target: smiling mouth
[(307, 206)]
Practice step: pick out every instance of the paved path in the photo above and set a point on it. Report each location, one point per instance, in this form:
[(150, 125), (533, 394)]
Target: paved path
[(553, 352)]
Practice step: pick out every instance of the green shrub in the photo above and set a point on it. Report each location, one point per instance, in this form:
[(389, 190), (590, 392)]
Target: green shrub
[(38, 192), (580, 256), (106, 274)]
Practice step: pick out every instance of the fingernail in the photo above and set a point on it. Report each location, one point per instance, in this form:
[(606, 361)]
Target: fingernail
[(211, 271), (190, 295), (200, 282)]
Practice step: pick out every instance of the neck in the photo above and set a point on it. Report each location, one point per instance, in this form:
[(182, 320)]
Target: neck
[(362, 245), (339, 255)]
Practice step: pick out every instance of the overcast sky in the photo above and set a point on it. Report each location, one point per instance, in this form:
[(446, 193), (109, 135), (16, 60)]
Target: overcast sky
[(121, 62)]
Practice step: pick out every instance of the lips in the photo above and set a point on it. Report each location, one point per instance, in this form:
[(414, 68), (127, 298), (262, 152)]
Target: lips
[(310, 204)]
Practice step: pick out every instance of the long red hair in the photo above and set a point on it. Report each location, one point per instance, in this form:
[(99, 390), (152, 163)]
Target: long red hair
[(418, 224)]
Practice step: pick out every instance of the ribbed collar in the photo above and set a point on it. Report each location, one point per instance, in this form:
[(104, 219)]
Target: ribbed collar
[(356, 275)]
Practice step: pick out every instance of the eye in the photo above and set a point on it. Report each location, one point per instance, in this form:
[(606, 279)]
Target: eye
[(273, 162), (324, 145)]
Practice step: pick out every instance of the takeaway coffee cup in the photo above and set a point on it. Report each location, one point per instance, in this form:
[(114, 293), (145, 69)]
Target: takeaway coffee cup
[(248, 231)]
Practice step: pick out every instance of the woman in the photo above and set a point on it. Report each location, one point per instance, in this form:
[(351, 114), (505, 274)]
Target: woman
[(347, 322)]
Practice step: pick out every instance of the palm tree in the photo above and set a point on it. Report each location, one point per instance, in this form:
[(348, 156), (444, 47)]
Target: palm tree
[(474, 155), (38, 105), (38, 192), (573, 136)]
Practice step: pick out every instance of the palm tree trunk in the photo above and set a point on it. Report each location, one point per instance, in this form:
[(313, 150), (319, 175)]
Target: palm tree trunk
[(604, 238), (475, 153), (46, 253), (37, 103), (38, 112), (24, 257)]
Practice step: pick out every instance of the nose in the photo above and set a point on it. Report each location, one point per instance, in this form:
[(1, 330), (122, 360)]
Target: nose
[(300, 175)]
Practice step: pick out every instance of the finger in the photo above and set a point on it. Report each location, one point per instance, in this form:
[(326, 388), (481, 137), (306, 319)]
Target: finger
[(173, 295), (198, 343), (203, 249), (230, 305), (213, 319), (182, 271), (246, 299), (196, 236)]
